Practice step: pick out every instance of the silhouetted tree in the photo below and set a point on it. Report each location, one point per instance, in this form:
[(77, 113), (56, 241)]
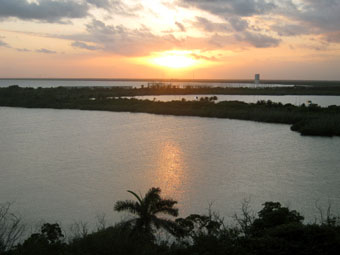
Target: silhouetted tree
[(147, 209), (11, 228), (48, 241), (273, 215)]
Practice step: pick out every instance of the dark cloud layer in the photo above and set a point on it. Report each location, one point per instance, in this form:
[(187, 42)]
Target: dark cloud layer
[(48, 11), (61, 10), (225, 8)]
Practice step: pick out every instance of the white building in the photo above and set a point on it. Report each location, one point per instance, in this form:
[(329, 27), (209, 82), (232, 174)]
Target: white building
[(257, 78)]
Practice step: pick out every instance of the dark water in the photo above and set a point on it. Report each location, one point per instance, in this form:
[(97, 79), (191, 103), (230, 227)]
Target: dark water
[(67, 165)]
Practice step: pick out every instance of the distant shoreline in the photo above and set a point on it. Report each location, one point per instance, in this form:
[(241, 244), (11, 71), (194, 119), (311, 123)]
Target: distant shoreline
[(306, 119), (269, 81)]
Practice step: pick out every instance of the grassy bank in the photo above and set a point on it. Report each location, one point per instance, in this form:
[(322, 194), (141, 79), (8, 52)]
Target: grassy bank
[(307, 120)]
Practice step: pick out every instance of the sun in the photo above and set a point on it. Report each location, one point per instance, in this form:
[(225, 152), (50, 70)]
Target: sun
[(174, 59)]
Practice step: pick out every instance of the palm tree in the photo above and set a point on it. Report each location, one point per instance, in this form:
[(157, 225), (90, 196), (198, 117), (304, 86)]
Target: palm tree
[(147, 209)]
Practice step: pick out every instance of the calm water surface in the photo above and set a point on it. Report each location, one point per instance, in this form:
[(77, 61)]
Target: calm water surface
[(67, 165), (323, 101)]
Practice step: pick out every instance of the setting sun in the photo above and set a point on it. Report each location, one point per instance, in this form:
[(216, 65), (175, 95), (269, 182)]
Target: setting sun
[(174, 59)]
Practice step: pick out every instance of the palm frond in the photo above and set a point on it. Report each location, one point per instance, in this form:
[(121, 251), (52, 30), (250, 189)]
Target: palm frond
[(127, 205), (166, 206), (152, 196), (166, 203), (138, 197)]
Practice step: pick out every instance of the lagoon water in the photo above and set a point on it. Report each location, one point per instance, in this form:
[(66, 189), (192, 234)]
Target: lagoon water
[(323, 101), (70, 165)]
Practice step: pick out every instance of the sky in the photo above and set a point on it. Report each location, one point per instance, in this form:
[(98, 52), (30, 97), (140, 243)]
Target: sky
[(190, 39)]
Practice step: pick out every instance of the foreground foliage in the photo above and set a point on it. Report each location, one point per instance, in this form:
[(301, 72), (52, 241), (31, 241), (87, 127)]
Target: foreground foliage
[(275, 230)]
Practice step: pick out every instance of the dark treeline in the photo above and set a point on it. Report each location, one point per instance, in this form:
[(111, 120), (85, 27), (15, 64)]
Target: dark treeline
[(308, 120), (274, 230)]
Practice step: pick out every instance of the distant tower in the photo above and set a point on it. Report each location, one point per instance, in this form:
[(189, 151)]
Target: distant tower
[(257, 78)]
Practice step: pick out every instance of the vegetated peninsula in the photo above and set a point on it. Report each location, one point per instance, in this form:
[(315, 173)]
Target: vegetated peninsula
[(307, 120)]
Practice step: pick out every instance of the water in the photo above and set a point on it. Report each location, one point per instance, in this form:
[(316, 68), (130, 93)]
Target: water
[(70, 165), (323, 101)]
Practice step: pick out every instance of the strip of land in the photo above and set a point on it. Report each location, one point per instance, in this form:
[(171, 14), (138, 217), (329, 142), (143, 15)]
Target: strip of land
[(307, 120)]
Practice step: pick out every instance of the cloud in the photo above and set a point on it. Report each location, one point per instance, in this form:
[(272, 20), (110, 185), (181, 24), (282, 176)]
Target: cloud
[(180, 26), (3, 44), (316, 17), (22, 50), (290, 29), (117, 6), (238, 23), (46, 51), (333, 37), (209, 26), (122, 40), (43, 10), (140, 42), (135, 42), (224, 8), (258, 40), (287, 18), (322, 14), (83, 45), (235, 13), (201, 56), (103, 3), (59, 11)]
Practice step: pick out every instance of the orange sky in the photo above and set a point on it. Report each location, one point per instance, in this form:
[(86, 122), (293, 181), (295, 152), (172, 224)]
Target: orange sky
[(221, 39)]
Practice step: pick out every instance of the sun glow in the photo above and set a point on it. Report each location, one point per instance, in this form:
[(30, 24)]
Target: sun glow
[(174, 59)]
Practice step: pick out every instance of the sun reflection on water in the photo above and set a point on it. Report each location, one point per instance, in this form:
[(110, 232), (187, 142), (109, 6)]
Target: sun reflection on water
[(169, 172)]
